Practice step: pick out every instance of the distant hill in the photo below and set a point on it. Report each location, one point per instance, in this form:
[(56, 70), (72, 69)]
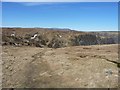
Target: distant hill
[(55, 37)]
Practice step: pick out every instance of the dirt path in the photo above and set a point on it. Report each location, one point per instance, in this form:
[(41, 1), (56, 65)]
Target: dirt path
[(81, 66)]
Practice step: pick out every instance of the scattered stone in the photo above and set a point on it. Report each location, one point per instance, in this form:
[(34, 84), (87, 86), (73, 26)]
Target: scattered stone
[(11, 55), (86, 48), (61, 73), (83, 56), (6, 67), (11, 69), (25, 59), (108, 51), (50, 75), (86, 85), (42, 74), (34, 79), (108, 72), (98, 49), (77, 79), (66, 52)]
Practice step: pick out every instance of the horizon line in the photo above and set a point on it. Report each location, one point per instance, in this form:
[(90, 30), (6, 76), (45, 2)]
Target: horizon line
[(92, 30)]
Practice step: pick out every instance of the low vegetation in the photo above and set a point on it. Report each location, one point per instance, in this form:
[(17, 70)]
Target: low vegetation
[(56, 39)]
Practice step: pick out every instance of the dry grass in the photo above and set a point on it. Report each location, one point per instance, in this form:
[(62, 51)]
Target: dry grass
[(80, 67)]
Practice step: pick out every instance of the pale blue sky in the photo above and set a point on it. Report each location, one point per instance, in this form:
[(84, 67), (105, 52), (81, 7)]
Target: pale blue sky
[(83, 16)]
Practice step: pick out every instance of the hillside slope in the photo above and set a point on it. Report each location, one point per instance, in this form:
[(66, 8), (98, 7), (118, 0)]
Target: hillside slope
[(55, 38)]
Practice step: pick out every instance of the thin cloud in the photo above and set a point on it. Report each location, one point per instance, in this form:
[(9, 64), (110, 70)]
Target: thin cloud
[(60, 0), (35, 3)]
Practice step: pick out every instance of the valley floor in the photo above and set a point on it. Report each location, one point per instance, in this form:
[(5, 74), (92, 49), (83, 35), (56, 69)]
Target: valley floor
[(69, 67)]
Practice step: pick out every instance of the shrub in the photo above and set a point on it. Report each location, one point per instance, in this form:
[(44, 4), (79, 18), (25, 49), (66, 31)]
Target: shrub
[(39, 41), (11, 40), (56, 42), (87, 39), (107, 41)]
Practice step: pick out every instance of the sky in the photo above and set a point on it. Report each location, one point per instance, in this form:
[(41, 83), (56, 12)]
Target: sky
[(60, 0), (82, 16)]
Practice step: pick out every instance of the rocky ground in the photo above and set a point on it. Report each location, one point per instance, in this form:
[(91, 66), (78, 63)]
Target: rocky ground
[(77, 66)]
